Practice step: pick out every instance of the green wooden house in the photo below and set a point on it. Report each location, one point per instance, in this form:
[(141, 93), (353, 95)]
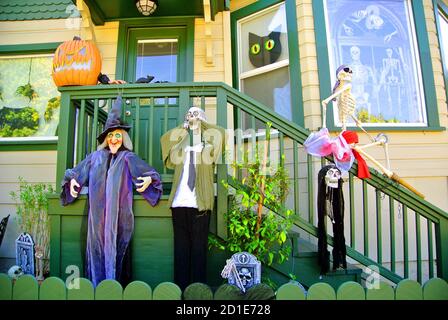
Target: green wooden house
[(207, 53)]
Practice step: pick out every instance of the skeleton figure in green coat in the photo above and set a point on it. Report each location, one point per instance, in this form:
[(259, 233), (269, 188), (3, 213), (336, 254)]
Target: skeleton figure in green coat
[(192, 150)]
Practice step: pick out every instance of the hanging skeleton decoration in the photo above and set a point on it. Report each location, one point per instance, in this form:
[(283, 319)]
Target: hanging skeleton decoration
[(321, 144), (330, 202)]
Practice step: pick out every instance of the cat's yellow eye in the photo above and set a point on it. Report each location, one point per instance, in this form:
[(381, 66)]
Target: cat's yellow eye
[(269, 45), (255, 49)]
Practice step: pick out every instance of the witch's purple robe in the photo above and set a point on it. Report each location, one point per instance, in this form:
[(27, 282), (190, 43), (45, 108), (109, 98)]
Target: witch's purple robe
[(110, 179)]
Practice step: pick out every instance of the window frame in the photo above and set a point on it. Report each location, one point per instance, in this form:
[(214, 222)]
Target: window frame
[(293, 51), (426, 71), (439, 5), (29, 143), (121, 70)]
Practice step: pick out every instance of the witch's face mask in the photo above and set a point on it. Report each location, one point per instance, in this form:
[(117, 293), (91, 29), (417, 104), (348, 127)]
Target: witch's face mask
[(114, 140)]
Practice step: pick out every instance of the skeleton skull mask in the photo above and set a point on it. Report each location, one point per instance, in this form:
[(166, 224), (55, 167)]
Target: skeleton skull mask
[(344, 73), (193, 118), (332, 178), (245, 276)]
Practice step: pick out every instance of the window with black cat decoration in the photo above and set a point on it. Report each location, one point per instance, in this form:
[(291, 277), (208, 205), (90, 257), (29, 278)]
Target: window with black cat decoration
[(264, 50), (263, 60)]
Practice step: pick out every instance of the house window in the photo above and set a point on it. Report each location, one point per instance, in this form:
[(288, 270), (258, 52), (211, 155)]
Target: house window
[(29, 100), (263, 58), (378, 40), (443, 36)]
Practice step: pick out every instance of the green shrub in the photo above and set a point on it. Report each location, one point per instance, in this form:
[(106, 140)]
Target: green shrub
[(32, 215), (257, 221)]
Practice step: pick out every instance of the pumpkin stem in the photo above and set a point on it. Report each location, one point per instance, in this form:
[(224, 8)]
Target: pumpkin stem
[(76, 38)]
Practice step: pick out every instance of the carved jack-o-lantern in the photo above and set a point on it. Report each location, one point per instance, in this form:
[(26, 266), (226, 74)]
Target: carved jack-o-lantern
[(76, 62)]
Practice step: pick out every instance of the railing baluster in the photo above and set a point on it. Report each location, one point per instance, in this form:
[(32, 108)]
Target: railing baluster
[(281, 159), (379, 235), (137, 127), (221, 170), (365, 210), (281, 145), (203, 103), (310, 190), (151, 131), (267, 145), (80, 151), (351, 187), (95, 125), (419, 248), (430, 250), (392, 233), (165, 122), (405, 242), (239, 152), (254, 135), (295, 152)]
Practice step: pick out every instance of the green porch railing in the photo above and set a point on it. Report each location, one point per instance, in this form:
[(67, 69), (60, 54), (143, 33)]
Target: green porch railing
[(387, 226)]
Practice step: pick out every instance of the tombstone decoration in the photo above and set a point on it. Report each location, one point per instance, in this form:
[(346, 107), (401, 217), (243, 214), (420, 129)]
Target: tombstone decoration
[(242, 270), (25, 253)]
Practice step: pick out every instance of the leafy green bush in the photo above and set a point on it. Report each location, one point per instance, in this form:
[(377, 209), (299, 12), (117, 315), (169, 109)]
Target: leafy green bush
[(257, 221), (32, 215), (23, 122), (364, 116), (27, 91), (53, 104)]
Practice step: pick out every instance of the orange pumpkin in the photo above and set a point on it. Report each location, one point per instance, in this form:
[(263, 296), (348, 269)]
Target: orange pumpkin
[(76, 62)]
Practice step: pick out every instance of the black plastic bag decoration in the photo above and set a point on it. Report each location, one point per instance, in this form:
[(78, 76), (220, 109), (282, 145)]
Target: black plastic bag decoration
[(330, 201)]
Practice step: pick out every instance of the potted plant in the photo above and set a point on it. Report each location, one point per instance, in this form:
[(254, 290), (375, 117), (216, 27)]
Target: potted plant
[(32, 217), (257, 221)]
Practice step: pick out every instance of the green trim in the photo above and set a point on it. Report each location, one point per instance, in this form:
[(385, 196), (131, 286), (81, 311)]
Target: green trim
[(22, 49), (293, 46), (24, 145), (124, 37), (425, 62), (96, 13), (440, 5), (31, 48)]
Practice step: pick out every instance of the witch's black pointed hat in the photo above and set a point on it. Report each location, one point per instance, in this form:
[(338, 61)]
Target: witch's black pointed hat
[(113, 120)]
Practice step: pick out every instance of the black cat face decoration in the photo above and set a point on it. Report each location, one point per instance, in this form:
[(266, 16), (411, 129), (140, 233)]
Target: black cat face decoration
[(264, 50)]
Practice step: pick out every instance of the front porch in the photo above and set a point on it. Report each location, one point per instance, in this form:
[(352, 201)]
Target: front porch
[(378, 212)]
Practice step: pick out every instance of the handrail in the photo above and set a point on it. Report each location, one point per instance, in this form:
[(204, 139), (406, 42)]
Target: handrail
[(81, 119)]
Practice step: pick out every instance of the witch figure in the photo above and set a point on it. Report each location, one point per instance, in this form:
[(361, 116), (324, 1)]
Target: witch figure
[(110, 174)]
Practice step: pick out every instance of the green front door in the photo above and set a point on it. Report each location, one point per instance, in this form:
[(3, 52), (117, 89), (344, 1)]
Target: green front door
[(160, 54)]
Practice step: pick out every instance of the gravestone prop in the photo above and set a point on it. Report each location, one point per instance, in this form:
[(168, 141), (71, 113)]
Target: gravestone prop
[(242, 270), (25, 253)]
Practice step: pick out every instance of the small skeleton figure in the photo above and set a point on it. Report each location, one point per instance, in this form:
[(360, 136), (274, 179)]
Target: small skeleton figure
[(345, 100)]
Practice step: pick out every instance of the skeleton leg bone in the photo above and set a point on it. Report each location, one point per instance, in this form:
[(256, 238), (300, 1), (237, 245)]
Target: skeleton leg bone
[(388, 173)]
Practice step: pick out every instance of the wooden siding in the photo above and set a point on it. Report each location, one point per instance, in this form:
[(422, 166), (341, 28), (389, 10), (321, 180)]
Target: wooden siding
[(33, 166)]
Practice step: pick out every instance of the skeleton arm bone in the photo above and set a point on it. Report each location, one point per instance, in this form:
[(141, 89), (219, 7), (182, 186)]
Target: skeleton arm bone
[(336, 94)]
